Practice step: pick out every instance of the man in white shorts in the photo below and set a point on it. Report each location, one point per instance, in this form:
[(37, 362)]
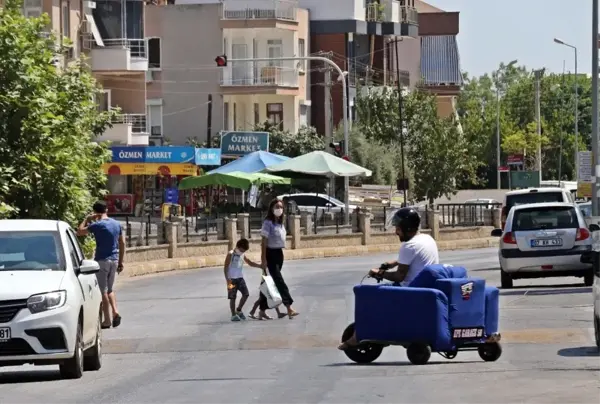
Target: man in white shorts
[(417, 251)]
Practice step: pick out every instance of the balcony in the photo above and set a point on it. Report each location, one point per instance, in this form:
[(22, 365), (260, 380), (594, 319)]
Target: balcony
[(267, 74), (119, 56), (127, 129), (259, 13)]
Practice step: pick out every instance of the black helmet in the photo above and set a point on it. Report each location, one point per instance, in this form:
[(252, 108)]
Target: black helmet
[(408, 219)]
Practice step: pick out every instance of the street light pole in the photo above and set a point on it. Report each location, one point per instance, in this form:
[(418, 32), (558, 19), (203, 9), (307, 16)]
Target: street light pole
[(344, 109), (595, 164), (561, 42), (498, 178)]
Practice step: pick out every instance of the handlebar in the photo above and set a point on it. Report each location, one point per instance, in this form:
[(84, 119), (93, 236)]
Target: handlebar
[(379, 279)]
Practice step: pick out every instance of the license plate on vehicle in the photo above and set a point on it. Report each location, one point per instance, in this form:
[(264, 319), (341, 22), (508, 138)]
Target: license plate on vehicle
[(547, 242), (467, 333), (4, 334)]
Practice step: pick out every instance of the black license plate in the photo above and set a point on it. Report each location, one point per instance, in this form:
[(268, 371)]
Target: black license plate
[(467, 333)]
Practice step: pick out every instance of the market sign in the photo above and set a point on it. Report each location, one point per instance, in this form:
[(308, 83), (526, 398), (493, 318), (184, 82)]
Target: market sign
[(208, 157), (153, 154), (242, 143), (149, 169)]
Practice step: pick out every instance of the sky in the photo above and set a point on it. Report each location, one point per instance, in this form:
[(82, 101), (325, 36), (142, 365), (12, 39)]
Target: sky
[(493, 31)]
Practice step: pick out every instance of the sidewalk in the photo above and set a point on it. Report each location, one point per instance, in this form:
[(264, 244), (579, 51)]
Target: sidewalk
[(166, 265)]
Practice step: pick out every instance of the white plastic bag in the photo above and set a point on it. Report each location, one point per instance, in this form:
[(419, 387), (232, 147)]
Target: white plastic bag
[(269, 289)]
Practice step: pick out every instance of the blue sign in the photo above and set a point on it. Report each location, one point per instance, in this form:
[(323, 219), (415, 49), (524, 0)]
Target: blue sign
[(208, 157), (153, 154), (172, 195), (242, 143)]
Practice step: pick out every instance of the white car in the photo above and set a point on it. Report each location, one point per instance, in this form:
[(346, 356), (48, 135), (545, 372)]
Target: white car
[(544, 240), (50, 302), (534, 195), (308, 202)]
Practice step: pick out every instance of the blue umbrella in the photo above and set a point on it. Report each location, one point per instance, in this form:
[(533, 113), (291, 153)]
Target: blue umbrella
[(251, 163)]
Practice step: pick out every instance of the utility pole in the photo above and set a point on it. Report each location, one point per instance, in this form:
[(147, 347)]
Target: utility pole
[(596, 162), (400, 125), (538, 74), (498, 178), (329, 113)]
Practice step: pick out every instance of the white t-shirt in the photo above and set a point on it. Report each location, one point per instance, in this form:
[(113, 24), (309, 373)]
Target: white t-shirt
[(236, 266), (419, 252)]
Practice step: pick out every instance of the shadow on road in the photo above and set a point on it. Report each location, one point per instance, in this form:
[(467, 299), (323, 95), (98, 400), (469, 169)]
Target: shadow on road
[(343, 364), (589, 351), (547, 290), (29, 376), (224, 379)]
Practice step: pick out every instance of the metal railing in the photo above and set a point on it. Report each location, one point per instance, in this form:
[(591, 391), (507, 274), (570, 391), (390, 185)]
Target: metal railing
[(138, 122), (261, 73), (467, 214), (259, 10), (373, 12), (409, 15), (138, 48)]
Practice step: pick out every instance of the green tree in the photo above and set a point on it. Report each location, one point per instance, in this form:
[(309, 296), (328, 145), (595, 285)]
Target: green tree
[(289, 144), (48, 122), (377, 111)]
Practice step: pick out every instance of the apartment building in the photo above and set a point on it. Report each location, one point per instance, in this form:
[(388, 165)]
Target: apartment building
[(349, 31), (193, 33)]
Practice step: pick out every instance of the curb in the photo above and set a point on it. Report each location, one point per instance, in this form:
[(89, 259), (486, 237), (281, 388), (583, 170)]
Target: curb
[(178, 264)]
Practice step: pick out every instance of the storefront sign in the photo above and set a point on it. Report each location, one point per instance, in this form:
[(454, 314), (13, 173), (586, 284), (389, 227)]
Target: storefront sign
[(149, 169), (208, 157), (153, 154), (242, 143), (515, 159), (119, 204)]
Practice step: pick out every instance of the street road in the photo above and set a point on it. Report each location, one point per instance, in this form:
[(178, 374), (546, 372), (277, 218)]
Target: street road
[(177, 345)]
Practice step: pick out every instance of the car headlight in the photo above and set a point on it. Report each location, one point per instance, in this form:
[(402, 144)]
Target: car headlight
[(47, 301)]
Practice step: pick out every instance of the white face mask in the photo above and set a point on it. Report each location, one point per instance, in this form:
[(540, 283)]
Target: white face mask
[(278, 212)]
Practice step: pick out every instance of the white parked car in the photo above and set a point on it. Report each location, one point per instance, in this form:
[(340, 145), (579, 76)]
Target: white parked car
[(544, 240), (534, 195), (50, 302), (308, 202)]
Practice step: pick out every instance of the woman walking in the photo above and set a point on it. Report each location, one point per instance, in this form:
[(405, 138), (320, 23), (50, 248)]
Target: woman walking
[(273, 242)]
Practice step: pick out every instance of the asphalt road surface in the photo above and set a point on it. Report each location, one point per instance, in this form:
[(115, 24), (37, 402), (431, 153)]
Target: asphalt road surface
[(177, 345)]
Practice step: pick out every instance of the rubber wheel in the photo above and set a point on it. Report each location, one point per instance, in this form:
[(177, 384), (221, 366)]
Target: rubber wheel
[(588, 279), (418, 353), (597, 331), (505, 280), (490, 352), (72, 368), (93, 356), (363, 353)]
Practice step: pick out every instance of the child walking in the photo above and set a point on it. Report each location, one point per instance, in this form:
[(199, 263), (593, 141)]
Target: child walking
[(233, 269)]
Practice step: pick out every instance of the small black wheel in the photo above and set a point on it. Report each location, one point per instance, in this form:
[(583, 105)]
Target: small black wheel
[(490, 352), (72, 368), (363, 353), (588, 278), (506, 280), (418, 353)]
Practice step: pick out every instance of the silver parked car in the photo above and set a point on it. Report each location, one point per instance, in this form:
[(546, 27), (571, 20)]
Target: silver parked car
[(544, 240)]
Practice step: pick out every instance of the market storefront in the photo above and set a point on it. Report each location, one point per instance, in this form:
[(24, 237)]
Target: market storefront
[(141, 179)]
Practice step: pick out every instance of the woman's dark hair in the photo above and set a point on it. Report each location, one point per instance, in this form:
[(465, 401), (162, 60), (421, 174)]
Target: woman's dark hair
[(271, 216)]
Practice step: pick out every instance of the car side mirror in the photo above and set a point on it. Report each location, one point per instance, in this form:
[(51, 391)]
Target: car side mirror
[(496, 233), (89, 267), (594, 227)]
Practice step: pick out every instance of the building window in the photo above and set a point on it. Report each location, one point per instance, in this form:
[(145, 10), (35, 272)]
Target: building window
[(256, 114), (275, 114), (66, 19), (302, 52), (274, 51), (155, 117), (154, 53), (32, 8), (225, 116), (103, 100), (303, 118)]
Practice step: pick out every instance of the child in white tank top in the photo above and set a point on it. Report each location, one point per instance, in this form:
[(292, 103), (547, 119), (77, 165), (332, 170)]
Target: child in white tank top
[(234, 276)]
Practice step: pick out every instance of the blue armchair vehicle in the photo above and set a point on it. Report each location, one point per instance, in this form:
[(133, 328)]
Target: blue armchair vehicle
[(442, 310)]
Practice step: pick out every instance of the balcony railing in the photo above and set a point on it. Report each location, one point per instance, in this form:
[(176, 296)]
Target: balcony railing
[(392, 11), (409, 15), (270, 73), (138, 48), (137, 121), (374, 13), (259, 10)]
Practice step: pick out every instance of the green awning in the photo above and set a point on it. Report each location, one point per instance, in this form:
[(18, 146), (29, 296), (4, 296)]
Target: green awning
[(318, 164), (234, 179)]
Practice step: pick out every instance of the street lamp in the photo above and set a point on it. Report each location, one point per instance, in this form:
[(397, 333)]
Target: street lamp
[(560, 42), (498, 181)]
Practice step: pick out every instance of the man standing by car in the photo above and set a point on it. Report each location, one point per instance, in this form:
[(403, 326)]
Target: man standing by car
[(110, 249)]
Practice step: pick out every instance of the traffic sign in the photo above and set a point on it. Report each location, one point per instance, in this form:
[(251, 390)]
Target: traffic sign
[(504, 169)]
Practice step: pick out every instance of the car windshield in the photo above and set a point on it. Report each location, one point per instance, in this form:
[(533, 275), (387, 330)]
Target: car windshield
[(533, 197), (30, 250), (546, 218)]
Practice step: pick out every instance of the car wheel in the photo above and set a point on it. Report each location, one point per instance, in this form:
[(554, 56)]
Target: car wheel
[(588, 278), (72, 368), (506, 280), (93, 356)]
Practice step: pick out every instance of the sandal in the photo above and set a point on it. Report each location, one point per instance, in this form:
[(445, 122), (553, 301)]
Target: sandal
[(253, 316), (116, 321), (293, 314), (105, 326), (281, 315), (264, 316)]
